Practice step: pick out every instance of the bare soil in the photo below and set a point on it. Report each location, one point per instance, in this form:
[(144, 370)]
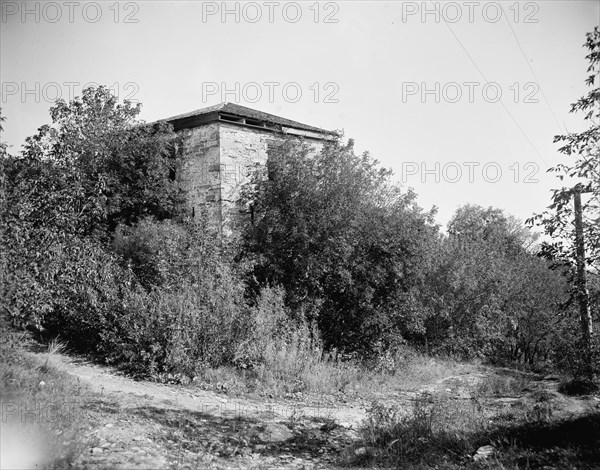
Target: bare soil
[(141, 424)]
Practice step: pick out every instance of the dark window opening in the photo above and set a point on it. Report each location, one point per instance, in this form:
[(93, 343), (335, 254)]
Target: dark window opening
[(255, 122), (225, 117)]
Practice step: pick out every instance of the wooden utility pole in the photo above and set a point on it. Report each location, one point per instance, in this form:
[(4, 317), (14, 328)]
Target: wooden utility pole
[(582, 292)]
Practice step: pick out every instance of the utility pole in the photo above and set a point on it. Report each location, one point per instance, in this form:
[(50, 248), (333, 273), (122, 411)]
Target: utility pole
[(582, 292)]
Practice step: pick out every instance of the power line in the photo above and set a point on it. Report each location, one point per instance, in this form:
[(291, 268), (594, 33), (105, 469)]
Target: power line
[(501, 102), (530, 67)]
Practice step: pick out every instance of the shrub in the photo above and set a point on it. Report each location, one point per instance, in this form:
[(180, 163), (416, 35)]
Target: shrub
[(180, 331), (436, 430), (73, 289), (567, 352), (269, 328), (154, 250)]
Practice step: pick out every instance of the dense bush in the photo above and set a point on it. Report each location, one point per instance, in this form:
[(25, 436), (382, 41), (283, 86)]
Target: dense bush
[(87, 256), (358, 256), (192, 311), (349, 247), (488, 295), (336, 262)]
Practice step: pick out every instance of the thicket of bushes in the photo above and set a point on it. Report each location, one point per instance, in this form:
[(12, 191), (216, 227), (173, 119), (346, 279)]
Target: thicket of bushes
[(338, 259)]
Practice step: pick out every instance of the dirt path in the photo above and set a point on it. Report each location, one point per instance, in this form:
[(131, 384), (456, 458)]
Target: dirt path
[(139, 424)]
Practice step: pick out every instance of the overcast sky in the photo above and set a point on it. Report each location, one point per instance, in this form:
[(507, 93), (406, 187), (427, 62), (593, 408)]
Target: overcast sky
[(462, 103)]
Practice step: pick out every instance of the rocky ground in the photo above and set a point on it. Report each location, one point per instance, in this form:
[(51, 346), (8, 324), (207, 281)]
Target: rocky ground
[(140, 424)]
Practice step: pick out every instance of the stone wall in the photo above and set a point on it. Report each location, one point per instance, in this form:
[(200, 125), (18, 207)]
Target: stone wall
[(199, 177), (219, 158), (241, 149)]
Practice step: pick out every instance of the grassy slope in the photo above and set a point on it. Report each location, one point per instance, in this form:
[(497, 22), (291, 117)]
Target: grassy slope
[(42, 409)]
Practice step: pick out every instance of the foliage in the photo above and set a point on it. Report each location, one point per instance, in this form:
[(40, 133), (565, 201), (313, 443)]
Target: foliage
[(156, 251), (487, 294), (68, 272), (583, 173), (342, 262), (347, 245), (583, 168), (192, 314), (443, 432), (112, 167), (567, 347), (73, 182)]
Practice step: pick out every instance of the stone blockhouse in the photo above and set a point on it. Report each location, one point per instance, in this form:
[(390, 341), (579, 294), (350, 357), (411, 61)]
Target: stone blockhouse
[(223, 143)]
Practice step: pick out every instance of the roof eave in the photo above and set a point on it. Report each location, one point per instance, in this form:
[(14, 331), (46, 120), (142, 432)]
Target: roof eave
[(197, 120)]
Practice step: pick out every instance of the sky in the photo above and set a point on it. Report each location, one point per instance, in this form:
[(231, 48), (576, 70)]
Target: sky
[(461, 99)]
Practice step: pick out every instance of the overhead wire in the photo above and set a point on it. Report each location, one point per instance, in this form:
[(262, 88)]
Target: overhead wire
[(514, 120), (528, 62)]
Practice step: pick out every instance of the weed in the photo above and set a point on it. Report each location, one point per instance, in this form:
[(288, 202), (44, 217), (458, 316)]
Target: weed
[(502, 386), (436, 430)]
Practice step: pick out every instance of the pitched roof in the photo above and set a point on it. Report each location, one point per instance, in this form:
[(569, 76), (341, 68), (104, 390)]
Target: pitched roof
[(235, 110)]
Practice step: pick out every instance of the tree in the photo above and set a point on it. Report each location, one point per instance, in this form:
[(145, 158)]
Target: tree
[(583, 170), (94, 167), (488, 294), (89, 258), (118, 168), (347, 245), (473, 223)]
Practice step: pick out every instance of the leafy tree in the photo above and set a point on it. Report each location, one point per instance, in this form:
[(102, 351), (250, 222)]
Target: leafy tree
[(583, 171), (82, 235), (94, 167), (583, 148), (487, 293), (472, 223), (347, 245), (116, 167)]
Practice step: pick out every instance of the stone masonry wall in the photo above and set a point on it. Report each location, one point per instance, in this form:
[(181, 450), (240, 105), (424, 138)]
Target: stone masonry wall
[(241, 149), (218, 160), (199, 177)]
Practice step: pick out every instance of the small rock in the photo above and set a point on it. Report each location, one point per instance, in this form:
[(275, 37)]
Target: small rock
[(109, 425), (260, 447), (275, 432), (42, 383), (360, 451), (483, 453), (96, 450)]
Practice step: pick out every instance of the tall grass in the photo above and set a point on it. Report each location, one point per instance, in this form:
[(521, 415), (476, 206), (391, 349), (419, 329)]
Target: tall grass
[(435, 430), (440, 431)]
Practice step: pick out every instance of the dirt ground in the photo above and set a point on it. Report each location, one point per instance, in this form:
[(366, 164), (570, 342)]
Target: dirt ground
[(140, 424)]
